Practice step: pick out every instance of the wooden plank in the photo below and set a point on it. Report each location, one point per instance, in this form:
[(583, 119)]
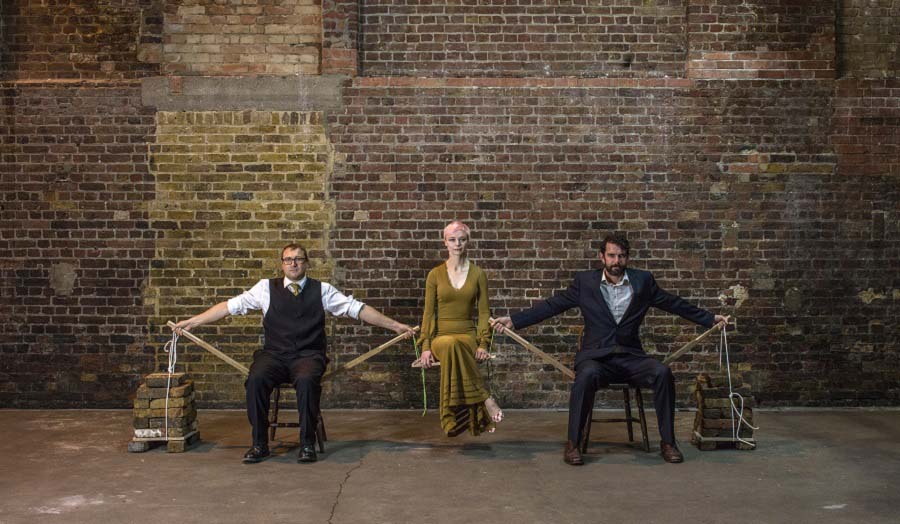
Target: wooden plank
[(723, 439), (209, 347), (163, 438), (690, 345), (366, 356), (545, 357)]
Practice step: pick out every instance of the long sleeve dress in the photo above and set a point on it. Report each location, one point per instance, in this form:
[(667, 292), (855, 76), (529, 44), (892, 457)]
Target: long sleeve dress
[(450, 334)]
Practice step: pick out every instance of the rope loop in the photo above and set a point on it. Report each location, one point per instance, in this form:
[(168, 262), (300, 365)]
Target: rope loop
[(732, 396), (171, 348), (424, 391)]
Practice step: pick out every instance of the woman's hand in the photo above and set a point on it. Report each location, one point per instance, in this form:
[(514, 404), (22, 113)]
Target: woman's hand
[(481, 355), (501, 324), (427, 359)]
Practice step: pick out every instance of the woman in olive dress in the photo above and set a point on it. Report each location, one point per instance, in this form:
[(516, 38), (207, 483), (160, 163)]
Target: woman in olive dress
[(453, 290)]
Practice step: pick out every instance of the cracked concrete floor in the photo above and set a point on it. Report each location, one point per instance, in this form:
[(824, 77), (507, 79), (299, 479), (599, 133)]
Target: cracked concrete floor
[(395, 466)]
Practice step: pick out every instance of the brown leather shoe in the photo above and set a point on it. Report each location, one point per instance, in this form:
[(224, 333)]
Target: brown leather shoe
[(572, 455), (670, 453)]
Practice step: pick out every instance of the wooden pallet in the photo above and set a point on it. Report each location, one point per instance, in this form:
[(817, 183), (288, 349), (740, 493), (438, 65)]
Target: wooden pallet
[(173, 444), (710, 443)]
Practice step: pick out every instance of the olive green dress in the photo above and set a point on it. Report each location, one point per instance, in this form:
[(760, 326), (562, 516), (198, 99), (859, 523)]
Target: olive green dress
[(449, 332)]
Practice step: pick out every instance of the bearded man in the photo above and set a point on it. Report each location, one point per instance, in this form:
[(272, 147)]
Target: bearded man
[(613, 303)]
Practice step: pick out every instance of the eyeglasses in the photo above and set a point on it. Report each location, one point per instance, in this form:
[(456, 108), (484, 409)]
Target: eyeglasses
[(289, 261)]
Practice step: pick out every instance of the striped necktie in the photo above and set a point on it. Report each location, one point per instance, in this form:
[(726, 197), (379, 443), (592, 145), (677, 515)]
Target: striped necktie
[(295, 288)]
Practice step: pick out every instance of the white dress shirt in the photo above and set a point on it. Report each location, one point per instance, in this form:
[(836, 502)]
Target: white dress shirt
[(617, 296), (333, 301)]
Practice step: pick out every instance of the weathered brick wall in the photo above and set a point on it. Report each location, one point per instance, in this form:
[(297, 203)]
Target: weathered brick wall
[(340, 37), (729, 191), (868, 38), (760, 39), (523, 38), (76, 244), (209, 37), (231, 188), (748, 177), (72, 39)]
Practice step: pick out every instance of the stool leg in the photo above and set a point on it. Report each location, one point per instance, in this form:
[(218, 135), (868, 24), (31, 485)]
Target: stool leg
[(639, 399), (627, 395), (321, 437), (273, 416)]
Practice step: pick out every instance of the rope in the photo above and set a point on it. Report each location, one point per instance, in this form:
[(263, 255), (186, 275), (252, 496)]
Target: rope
[(171, 348), (490, 365), (735, 423), (424, 391)]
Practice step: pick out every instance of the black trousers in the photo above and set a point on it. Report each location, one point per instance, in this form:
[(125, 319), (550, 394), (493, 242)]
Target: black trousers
[(638, 370), (271, 369)]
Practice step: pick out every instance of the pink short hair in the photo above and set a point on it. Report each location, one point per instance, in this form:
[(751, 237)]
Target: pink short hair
[(456, 225)]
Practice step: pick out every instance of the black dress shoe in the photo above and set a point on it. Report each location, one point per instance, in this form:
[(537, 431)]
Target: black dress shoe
[(670, 453), (255, 454), (307, 453)]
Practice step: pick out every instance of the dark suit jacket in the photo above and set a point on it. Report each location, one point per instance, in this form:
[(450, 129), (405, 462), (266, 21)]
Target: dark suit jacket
[(602, 335)]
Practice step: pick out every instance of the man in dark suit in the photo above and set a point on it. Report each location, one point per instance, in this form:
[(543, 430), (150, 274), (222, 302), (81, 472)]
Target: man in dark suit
[(613, 302)]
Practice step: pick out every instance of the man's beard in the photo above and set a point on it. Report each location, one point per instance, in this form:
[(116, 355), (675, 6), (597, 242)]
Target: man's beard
[(615, 270)]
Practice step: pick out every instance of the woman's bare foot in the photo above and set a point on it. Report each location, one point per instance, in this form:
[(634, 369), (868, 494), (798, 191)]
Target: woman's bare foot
[(493, 410)]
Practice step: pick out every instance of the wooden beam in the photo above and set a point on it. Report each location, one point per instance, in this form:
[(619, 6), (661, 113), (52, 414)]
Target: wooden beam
[(209, 347), (366, 356), (687, 347), (545, 357)]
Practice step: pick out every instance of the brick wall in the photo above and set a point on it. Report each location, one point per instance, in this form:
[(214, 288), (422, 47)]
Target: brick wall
[(747, 175), (762, 39), (207, 37), (340, 37), (868, 38), (523, 38), (723, 208), (231, 188), (72, 39), (76, 244)]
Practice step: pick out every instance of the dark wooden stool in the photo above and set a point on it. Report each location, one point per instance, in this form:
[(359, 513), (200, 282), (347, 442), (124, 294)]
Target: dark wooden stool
[(321, 437), (628, 419)]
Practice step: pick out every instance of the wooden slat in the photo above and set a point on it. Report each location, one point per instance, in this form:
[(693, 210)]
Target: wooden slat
[(209, 347), (687, 347), (366, 356), (545, 357)]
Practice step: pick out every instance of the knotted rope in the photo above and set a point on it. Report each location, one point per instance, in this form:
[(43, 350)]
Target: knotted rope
[(171, 348), (424, 391), (735, 423)]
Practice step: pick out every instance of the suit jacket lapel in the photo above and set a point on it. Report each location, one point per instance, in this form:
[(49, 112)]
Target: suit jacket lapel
[(636, 286)]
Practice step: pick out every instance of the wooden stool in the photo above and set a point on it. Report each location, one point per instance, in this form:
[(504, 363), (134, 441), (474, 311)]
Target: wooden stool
[(629, 418), (321, 437)]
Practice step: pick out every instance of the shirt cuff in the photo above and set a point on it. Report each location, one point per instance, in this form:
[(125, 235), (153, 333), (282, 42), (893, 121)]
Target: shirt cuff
[(234, 306), (355, 307)]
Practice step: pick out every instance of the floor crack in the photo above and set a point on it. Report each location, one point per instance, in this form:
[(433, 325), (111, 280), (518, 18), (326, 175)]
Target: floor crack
[(337, 498)]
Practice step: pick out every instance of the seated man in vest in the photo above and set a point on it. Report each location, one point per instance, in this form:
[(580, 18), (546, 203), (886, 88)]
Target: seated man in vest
[(294, 351)]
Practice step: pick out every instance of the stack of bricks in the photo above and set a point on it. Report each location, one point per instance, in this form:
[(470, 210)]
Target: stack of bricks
[(713, 424), (155, 420)]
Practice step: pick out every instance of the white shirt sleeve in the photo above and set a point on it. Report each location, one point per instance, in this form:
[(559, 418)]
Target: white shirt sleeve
[(256, 298), (339, 304)]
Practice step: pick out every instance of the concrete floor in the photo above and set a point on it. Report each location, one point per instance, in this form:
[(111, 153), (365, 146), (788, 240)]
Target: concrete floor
[(395, 466)]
